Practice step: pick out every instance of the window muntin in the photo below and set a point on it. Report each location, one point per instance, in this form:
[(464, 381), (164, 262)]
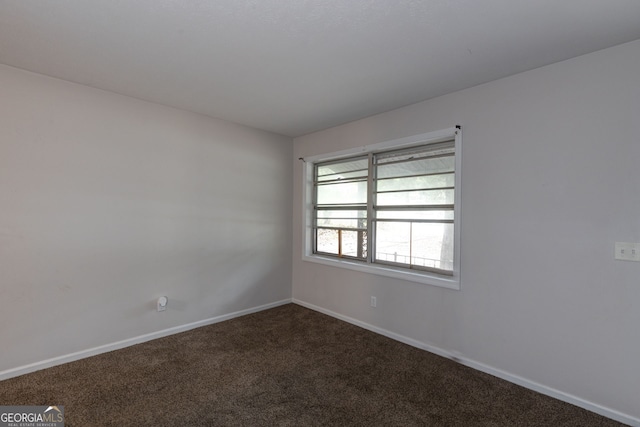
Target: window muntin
[(403, 199)]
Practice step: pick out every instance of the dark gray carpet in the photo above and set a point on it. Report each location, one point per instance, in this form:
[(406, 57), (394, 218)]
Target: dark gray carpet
[(288, 366)]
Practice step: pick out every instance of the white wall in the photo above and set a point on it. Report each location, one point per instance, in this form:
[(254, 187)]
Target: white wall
[(107, 202), (551, 180)]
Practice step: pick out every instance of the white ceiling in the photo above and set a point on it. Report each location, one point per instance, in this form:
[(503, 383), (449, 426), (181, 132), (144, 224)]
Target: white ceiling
[(297, 66)]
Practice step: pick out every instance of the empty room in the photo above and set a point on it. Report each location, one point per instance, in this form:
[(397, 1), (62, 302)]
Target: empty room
[(358, 213)]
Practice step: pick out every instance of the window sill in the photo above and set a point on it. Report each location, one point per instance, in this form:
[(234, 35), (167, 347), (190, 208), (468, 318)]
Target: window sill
[(396, 273)]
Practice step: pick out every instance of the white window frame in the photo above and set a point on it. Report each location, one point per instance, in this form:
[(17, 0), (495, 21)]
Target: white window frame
[(426, 277)]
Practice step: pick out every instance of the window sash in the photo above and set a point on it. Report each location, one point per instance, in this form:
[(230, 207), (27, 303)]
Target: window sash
[(404, 180)]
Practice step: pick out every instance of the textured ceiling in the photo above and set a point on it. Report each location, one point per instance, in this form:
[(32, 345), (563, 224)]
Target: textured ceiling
[(297, 66)]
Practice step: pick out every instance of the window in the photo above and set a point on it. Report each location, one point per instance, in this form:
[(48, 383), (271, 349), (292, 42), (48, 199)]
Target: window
[(390, 208)]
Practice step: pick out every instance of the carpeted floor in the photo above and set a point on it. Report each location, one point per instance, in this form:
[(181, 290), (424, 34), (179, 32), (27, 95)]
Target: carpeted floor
[(288, 366)]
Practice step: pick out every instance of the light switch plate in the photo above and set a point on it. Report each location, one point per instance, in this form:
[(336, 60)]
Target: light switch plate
[(626, 251)]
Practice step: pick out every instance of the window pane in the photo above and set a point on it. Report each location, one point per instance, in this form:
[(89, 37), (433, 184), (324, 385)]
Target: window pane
[(429, 150), (342, 193), (344, 176), (425, 197), (350, 243), (415, 244), (393, 241), (327, 241), (342, 218), (341, 223), (342, 242), (416, 182), (346, 168), (417, 167), (335, 213), (433, 246), (426, 215)]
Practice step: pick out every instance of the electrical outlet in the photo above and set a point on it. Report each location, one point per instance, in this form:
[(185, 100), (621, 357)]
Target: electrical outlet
[(162, 303), (626, 251), (374, 301)]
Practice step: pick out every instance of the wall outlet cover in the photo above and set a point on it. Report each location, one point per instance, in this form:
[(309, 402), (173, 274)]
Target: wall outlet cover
[(162, 303)]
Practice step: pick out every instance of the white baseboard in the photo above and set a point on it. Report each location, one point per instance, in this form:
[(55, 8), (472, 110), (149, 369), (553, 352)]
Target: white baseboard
[(32, 367), (532, 385)]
